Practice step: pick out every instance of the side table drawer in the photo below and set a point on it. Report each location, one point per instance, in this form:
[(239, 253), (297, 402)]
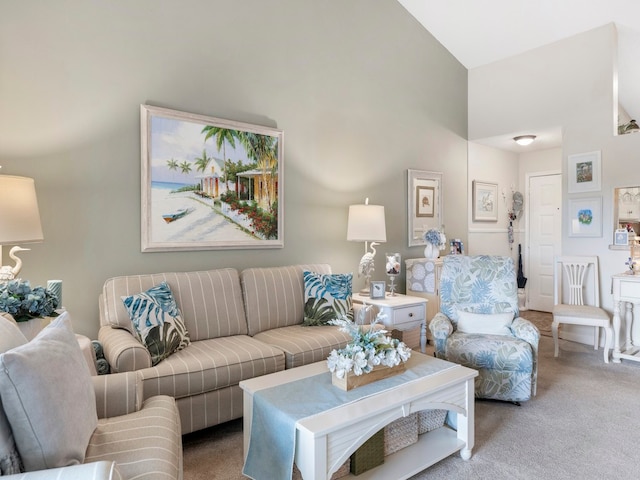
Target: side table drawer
[(410, 314)]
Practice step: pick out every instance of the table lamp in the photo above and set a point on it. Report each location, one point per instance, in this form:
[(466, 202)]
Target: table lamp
[(19, 219), (366, 224)]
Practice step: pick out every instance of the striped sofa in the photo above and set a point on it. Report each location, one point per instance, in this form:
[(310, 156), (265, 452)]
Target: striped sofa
[(241, 325)]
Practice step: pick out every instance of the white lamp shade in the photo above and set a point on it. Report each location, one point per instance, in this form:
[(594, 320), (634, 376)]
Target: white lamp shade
[(19, 214), (366, 224)]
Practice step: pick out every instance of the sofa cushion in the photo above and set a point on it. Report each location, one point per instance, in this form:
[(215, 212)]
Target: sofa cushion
[(490, 323), (10, 337), (274, 296), (326, 297), (157, 322), (209, 365), (210, 301), (303, 345), (146, 445), (48, 396)]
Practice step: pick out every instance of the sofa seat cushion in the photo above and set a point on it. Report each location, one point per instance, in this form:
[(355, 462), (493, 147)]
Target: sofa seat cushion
[(146, 445), (208, 365), (490, 352), (303, 345)]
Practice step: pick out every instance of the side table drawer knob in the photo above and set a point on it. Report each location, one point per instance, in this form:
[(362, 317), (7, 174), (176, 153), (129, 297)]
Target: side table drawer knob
[(410, 315)]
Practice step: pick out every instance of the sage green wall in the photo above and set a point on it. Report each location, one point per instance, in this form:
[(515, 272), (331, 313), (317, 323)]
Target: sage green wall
[(360, 89)]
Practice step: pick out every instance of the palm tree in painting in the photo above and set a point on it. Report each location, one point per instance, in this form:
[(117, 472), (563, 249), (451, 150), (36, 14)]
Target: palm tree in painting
[(172, 165), (264, 150), (203, 161), (222, 136), (185, 167)]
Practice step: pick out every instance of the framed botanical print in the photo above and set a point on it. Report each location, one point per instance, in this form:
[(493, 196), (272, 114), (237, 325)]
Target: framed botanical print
[(424, 204), (485, 205)]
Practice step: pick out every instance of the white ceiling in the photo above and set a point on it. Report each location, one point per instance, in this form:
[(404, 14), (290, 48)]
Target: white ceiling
[(481, 32)]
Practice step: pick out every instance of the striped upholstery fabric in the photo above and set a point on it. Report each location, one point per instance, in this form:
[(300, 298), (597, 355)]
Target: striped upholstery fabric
[(209, 365), (303, 345), (210, 301), (117, 394), (212, 408), (122, 350), (274, 297), (146, 445)]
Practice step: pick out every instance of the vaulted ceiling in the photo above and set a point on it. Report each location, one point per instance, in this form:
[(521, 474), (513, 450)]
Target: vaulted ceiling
[(477, 33)]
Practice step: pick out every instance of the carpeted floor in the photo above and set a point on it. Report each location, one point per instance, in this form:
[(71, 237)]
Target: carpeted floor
[(583, 423), (542, 320)]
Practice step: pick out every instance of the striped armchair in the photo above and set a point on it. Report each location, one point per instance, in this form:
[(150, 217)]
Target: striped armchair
[(478, 326), (133, 438)]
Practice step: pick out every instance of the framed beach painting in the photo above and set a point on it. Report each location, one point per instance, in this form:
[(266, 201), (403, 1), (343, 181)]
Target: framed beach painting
[(485, 206), (209, 183), (424, 204)]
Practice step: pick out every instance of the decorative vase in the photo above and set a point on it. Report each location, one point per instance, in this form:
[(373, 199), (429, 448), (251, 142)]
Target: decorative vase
[(431, 251)]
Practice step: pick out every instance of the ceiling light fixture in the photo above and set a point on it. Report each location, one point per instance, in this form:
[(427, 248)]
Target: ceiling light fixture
[(524, 139)]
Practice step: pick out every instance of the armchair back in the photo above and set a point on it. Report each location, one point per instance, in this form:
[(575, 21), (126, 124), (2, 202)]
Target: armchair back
[(480, 284)]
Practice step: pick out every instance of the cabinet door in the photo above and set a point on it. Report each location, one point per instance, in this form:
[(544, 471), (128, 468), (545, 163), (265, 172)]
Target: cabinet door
[(423, 280)]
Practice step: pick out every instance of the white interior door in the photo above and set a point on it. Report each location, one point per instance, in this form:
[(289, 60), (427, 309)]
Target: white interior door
[(544, 238)]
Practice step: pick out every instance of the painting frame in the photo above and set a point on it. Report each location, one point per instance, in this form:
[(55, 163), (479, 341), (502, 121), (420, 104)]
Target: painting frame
[(484, 200), (584, 172), (621, 237), (417, 224), (585, 217), (232, 193)]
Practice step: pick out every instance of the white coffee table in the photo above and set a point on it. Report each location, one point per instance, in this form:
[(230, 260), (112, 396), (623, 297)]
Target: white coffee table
[(326, 440)]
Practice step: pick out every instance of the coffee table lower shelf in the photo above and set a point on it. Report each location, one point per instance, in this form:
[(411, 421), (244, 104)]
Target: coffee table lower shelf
[(430, 448)]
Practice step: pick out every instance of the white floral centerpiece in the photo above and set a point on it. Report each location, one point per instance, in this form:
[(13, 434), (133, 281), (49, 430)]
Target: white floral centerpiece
[(368, 349)]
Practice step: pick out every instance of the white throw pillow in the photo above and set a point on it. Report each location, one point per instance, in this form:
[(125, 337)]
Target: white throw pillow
[(48, 396), (492, 324)]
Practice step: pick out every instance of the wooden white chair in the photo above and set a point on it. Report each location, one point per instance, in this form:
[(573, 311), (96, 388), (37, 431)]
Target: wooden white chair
[(572, 276)]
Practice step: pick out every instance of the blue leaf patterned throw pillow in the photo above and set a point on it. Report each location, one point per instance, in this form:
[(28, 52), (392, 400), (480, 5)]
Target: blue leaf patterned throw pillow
[(157, 321), (326, 297)]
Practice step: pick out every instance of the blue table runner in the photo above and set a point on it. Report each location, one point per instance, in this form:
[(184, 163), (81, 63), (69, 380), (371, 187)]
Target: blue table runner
[(277, 409)]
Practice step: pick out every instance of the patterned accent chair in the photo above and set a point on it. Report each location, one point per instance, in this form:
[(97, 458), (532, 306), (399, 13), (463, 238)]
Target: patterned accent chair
[(478, 326)]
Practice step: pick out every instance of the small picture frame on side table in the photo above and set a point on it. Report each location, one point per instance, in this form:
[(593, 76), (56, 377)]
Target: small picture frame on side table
[(622, 237), (377, 290)]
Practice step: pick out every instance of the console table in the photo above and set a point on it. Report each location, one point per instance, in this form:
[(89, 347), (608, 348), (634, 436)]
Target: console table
[(626, 290)]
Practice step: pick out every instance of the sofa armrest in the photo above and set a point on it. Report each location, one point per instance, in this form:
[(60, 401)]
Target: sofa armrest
[(89, 471), (122, 350), (527, 331), (117, 394), (440, 327)]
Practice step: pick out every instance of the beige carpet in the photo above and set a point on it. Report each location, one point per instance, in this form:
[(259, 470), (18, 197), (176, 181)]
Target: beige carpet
[(542, 320), (584, 423)]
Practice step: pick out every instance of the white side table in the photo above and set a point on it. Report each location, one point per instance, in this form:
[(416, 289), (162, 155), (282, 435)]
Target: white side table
[(626, 301), (403, 312)]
